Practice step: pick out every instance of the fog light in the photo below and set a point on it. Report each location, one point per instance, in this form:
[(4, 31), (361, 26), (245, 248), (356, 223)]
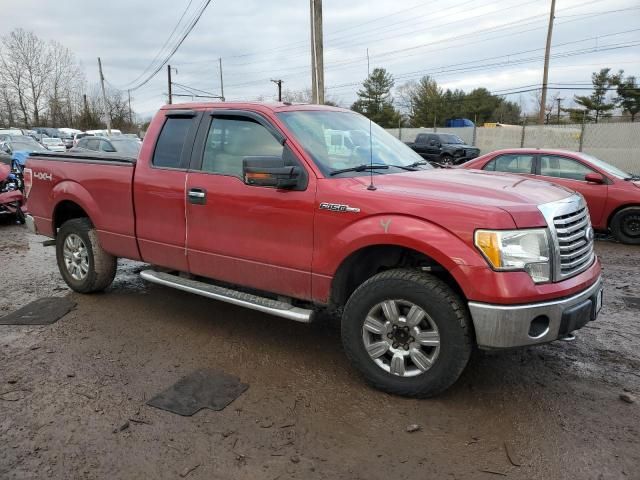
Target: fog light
[(539, 326)]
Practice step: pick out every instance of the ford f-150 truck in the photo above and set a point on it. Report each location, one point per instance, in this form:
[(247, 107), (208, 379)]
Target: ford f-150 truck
[(245, 203)]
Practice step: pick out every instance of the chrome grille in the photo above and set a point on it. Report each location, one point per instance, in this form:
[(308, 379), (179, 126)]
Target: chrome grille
[(572, 235), (575, 241)]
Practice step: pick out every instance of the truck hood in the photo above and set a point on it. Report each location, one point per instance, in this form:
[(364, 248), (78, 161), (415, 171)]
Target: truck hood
[(518, 195)]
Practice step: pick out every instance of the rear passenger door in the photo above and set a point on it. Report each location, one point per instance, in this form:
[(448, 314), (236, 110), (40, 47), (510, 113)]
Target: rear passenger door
[(249, 235), (571, 174), (159, 192)]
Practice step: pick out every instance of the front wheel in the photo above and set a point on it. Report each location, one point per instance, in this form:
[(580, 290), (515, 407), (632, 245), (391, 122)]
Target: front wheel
[(407, 332), (446, 159), (82, 262), (625, 225)]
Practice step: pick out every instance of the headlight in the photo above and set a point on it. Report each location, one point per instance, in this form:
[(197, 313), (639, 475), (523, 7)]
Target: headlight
[(526, 250)]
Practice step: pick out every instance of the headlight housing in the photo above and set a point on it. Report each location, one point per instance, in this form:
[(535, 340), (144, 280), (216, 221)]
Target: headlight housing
[(513, 250)]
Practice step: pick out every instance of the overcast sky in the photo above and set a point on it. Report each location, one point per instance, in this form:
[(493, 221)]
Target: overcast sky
[(461, 43)]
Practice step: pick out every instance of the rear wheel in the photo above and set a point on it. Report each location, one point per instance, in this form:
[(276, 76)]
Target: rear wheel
[(407, 332), (446, 159), (625, 225), (82, 262)]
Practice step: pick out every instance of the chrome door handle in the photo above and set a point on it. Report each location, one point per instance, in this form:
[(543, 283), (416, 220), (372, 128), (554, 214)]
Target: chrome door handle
[(197, 196)]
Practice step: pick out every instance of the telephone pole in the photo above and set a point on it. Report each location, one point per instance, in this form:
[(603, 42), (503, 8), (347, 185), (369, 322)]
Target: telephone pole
[(130, 115), (559, 100), (545, 74), (104, 98), (317, 56), (221, 82), (279, 83), (169, 83)]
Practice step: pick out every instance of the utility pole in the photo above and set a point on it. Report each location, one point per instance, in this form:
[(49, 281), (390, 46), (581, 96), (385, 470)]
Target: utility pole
[(169, 83), (130, 115), (559, 100), (104, 98), (279, 83), (545, 74), (317, 56), (221, 82)]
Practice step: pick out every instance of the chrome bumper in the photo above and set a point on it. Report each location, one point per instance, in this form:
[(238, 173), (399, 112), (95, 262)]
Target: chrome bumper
[(506, 326), (30, 223)]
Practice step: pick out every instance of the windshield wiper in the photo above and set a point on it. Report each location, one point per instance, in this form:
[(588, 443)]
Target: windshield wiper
[(418, 164), (359, 168)]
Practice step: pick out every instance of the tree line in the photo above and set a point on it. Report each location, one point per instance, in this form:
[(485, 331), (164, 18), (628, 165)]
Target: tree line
[(423, 103), (42, 84)]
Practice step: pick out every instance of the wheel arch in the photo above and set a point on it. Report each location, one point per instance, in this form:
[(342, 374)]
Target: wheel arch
[(71, 201), (618, 209)]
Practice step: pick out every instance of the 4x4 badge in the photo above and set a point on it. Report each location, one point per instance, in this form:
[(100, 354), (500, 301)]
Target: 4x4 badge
[(337, 207)]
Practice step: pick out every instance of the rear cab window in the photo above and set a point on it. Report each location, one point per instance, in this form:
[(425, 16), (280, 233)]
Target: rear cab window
[(168, 152)]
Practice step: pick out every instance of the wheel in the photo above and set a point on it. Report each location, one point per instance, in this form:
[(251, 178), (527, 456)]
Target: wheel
[(83, 264), (446, 159), (407, 332), (625, 225)]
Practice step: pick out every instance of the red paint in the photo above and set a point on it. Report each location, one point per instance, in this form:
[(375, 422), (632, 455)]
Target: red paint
[(603, 199), (279, 240)]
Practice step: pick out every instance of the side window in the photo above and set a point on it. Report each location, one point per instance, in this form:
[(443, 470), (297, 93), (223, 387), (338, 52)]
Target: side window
[(510, 164), (106, 146), (168, 151), (92, 144), (433, 140), (562, 167), (231, 139)]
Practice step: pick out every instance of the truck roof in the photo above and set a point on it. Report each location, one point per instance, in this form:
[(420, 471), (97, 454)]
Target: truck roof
[(271, 106)]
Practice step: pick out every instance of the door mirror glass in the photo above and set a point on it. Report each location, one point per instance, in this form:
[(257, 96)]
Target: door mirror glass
[(594, 178), (270, 171)]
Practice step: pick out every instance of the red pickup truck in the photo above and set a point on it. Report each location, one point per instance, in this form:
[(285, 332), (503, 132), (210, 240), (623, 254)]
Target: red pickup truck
[(291, 209)]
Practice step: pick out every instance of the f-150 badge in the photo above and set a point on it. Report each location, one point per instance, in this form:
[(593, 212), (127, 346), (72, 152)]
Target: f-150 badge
[(337, 207)]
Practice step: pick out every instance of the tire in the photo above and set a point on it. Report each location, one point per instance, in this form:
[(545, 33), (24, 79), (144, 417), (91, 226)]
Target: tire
[(625, 225), (20, 215), (446, 317), (446, 159), (82, 239)]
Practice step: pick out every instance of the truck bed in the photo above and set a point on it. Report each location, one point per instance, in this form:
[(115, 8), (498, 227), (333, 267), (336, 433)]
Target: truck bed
[(103, 182)]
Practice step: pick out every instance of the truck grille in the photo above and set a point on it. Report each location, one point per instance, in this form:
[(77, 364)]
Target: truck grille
[(575, 241), (572, 236)]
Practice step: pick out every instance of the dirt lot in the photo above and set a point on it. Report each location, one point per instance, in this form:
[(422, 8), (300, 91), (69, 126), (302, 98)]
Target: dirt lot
[(549, 412)]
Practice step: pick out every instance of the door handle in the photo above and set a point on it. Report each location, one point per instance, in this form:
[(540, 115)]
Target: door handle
[(197, 196)]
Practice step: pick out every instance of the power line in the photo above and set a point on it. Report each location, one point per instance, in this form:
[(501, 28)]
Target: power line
[(184, 36)]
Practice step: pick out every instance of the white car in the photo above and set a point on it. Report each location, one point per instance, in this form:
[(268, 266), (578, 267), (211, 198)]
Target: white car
[(54, 144)]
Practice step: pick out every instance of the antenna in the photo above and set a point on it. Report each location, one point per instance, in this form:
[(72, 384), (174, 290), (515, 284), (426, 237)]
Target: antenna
[(371, 185)]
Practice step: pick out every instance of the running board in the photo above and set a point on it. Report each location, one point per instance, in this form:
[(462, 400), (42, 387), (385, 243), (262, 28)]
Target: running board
[(242, 299)]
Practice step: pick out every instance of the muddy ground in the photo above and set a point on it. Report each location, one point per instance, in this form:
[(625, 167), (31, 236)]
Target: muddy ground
[(549, 412)]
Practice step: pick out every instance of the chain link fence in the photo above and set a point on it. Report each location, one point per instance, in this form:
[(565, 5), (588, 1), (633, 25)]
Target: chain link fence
[(617, 143)]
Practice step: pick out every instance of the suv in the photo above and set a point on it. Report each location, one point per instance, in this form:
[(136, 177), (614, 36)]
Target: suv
[(444, 148)]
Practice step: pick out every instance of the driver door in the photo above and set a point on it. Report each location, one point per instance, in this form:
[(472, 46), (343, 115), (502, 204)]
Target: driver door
[(249, 235)]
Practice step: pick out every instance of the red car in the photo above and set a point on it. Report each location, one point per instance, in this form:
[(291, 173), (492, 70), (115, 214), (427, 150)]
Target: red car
[(612, 195)]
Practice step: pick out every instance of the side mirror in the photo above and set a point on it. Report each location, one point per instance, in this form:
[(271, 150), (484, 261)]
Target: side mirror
[(270, 171), (594, 178)]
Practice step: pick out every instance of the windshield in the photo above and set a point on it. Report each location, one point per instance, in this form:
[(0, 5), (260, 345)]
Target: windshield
[(126, 146), (601, 164), (338, 140), (451, 139)]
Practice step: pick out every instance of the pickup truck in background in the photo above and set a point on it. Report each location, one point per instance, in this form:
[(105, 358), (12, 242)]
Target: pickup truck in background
[(245, 203), (443, 148)]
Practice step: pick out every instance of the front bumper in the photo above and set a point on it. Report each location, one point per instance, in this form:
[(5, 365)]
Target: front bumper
[(506, 326)]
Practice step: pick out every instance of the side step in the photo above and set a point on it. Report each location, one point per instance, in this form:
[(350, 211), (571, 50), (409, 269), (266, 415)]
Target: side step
[(242, 299)]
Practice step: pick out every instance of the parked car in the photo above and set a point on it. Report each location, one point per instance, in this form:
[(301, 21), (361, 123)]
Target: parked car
[(120, 145), (54, 144), (78, 136), (11, 144), (10, 131), (613, 195), (67, 140), (49, 132), (249, 204), (444, 148)]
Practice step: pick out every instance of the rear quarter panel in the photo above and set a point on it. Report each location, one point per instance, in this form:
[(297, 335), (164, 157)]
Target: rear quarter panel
[(102, 189)]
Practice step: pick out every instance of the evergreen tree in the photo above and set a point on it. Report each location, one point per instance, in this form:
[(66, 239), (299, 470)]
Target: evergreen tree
[(375, 101), (597, 105), (629, 96)]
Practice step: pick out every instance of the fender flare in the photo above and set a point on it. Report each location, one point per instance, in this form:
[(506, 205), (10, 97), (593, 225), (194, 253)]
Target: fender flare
[(72, 191)]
